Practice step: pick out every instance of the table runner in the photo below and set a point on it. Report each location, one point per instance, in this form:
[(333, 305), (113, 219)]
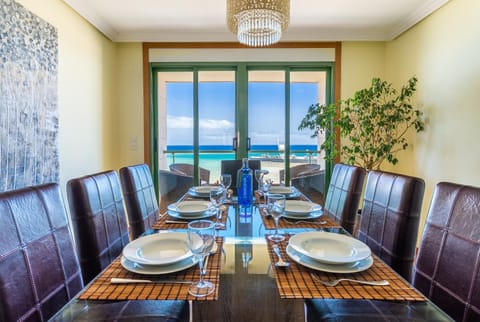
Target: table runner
[(295, 281), (180, 223), (102, 289)]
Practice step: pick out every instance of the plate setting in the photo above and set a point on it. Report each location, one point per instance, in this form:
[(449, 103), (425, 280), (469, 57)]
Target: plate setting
[(193, 209), (201, 191), (158, 249), (155, 269), (289, 192), (307, 216), (301, 207), (329, 248), (353, 267)]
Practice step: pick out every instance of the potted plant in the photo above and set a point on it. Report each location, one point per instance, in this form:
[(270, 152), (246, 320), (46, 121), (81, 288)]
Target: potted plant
[(374, 121)]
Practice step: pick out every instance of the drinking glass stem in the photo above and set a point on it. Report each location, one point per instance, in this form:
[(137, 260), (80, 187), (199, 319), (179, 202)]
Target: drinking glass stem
[(276, 225), (200, 265)]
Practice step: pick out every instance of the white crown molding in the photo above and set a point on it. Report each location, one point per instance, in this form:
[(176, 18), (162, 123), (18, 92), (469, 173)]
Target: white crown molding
[(83, 8), (415, 17), (293, 35)]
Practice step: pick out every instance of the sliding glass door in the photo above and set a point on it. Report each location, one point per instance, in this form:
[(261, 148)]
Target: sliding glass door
[(206, 113)]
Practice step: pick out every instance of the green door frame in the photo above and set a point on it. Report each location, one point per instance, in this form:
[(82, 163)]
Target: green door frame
[(241, 101)]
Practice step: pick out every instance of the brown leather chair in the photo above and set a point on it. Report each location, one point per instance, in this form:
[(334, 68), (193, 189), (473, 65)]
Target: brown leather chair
[(311, 185), (343, 195), (300, 170), (98, 219), (332, 310), (140, 198), (187, 169), (390, 217), (101, 232), (171, 187), (231, 167), (447, 269), (39, 270)]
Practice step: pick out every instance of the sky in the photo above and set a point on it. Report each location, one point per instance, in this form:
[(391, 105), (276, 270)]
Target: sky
[(217, 112)]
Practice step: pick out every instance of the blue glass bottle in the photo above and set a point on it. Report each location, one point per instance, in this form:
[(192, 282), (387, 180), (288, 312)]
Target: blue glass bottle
[(245, 184)]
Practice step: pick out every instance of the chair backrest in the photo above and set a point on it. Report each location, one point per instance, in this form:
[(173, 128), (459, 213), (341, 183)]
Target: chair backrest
[(343, 195), (187, 169), (447, 269), (300, 170), (231, 167), (390, 217), (172, 186), (98, 219), (39, 270), (312, 186), (140, 198)]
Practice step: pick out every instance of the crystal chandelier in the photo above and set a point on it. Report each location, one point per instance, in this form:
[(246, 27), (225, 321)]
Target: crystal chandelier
[(258, 23)]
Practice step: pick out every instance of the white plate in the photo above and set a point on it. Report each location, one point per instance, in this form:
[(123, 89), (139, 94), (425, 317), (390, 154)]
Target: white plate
[(190, 208), (307, 216), (201, 191), (203, 215), (301, 207), (290, 192), (353, 267), (158, 249), (280, 190), (154, 270), (330, 248)]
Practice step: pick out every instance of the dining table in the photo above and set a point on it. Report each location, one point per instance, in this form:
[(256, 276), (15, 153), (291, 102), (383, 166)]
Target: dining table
[(249, 286)]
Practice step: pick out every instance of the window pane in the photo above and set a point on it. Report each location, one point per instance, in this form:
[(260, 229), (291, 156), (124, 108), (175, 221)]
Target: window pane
[(266, 119), (216, 107), (175, 118), (307, 88)]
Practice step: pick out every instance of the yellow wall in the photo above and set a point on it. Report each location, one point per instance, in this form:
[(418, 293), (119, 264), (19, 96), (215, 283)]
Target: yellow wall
[(86, 90), (443, 52), (361, 61), (129, 109)]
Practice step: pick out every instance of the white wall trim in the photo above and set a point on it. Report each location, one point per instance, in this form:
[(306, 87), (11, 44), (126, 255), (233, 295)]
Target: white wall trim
[(241, 54), (416, 16)]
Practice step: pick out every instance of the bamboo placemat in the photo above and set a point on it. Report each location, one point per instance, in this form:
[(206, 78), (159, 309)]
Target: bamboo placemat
[(295, 282), (102, 289), (168, 222)]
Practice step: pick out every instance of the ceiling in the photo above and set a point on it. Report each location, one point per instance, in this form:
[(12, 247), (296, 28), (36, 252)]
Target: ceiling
[(204, 20)]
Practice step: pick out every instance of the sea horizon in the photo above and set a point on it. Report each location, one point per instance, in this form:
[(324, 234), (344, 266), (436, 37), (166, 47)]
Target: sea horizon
[(257, 147)]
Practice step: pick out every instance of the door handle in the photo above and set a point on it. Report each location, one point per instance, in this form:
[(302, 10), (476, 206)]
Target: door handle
[(249, 144), (234, 144)]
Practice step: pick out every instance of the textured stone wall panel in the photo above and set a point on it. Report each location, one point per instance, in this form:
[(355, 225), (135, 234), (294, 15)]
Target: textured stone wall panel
[(28, 98)]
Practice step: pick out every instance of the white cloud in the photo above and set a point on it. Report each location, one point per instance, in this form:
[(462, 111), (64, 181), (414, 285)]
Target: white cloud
[(179, 122), (185, 122), (216, 124)]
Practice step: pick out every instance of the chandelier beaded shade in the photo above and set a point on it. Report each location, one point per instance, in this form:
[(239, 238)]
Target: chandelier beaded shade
[(258, 23)]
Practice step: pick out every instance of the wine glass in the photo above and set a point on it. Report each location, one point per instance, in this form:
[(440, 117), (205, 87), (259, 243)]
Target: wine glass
[(276, 208), (201, 237), (265, 187), (259, 175), (216, 196), (263, 184), (226, 181)]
